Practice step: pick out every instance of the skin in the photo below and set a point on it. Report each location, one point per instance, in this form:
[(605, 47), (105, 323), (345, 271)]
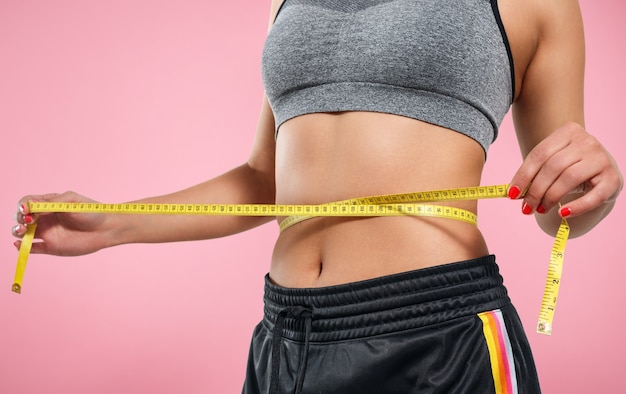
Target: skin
[(562, 163)]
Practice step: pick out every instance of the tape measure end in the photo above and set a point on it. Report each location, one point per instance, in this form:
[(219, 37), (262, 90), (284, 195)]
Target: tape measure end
[(544, 327), (17, 288)]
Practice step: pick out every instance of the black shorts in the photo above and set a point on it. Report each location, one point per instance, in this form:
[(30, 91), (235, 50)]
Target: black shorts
[(446, 329)]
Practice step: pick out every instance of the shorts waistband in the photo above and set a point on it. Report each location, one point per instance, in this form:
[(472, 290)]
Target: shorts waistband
[(386, 304)]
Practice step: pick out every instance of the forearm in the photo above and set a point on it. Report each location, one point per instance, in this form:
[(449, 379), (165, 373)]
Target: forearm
[(241, 185)]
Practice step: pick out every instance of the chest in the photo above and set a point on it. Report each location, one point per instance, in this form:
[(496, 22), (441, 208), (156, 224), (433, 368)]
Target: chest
[(410, 43)]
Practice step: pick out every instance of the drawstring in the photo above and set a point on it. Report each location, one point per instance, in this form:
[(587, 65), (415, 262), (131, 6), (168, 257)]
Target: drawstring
[(277, 337)]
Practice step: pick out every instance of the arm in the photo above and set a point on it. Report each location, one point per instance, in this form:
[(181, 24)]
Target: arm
[(76, 234), (563, 163), (251, 182)]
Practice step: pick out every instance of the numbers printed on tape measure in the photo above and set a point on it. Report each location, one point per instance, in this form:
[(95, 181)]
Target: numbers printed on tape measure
[(405, 204), (553, 280)]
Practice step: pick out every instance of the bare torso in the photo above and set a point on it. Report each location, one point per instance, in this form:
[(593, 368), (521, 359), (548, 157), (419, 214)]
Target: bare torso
[(329, 157)]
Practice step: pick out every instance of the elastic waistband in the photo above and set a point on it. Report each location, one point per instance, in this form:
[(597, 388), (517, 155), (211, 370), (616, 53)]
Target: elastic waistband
[(388, 304)]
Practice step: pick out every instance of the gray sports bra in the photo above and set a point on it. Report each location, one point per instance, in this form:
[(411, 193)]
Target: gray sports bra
[(443, 62)]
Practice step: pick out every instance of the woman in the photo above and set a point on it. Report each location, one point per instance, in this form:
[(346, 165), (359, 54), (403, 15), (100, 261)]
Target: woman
[(375, 97)]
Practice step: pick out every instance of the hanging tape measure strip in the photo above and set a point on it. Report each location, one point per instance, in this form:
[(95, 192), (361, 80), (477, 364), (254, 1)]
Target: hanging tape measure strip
[(405, 204)]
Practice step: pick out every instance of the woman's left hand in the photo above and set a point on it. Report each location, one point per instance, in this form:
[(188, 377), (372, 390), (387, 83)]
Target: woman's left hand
[(570, 160)]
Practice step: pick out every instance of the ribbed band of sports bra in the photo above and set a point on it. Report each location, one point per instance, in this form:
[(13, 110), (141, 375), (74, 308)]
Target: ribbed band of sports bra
[(443, 62)]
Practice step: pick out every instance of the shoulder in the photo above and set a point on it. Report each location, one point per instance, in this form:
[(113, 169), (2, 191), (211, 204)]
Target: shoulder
[(559, 42), (543, 17), (533, 27), (275, 6), (559, 19)]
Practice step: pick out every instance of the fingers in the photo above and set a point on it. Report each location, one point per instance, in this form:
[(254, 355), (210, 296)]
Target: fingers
[(534, 162), (23, 217), (23, 220), (602, 190), (23, 214), (36, 247), (556, 180), (23, 207), (568, 162), (23, 204), (18, 230)]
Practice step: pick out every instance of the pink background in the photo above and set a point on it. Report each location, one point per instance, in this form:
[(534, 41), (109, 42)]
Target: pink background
[(124, 99)]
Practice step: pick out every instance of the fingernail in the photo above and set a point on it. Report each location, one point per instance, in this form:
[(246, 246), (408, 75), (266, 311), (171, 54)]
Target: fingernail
[(16, 229), (22, 209), (541, 209), (514, 192), (565, 212), (28, 219), (527, 209), (16, 244)]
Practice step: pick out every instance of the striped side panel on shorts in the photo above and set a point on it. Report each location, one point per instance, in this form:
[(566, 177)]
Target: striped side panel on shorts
[(500, 352)]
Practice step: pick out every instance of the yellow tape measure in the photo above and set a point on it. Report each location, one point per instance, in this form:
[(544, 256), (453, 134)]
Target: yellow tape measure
[(405, 204), (553, 280)]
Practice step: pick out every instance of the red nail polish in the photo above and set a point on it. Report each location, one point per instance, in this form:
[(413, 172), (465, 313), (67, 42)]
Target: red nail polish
[(28, 219), (541, 209), (514, 192), (22, 208), (527, 209), (565, 212)]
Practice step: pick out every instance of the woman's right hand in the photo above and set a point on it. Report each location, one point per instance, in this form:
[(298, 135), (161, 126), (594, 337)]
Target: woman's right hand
[(62, 234)]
